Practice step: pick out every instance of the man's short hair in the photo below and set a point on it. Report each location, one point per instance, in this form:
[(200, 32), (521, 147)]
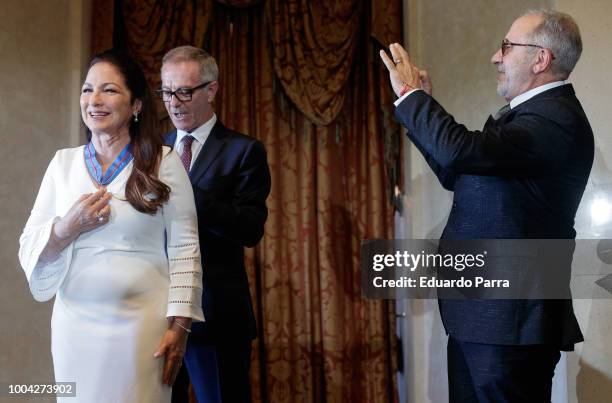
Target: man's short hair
[(559, 33), (208, 65)]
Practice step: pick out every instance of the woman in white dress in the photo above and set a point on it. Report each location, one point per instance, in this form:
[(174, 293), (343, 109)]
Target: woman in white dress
[(113, 236)]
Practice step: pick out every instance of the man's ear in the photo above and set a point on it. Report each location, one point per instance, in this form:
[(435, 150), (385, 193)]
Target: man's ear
[(211, 91), (543, 61)]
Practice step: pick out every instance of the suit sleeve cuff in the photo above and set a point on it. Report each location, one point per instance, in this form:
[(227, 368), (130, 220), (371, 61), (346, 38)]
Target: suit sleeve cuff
[(406, 95)]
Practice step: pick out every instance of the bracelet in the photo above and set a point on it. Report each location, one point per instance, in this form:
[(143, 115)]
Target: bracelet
[(405, 88), (182, 327)]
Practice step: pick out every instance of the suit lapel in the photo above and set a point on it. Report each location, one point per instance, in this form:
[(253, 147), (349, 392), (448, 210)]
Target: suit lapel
[(503, 119), (170, 138), (209, 152), (488, 123)]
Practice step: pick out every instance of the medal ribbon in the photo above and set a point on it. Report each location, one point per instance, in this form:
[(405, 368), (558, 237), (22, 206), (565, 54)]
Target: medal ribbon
[(95, 169)]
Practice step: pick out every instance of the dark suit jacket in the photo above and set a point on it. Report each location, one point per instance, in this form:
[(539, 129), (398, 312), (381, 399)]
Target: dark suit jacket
[(521, 177), (231, 182)]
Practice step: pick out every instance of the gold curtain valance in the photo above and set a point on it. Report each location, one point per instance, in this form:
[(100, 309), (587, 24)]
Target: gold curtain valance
[(313, 44), (153, 27)]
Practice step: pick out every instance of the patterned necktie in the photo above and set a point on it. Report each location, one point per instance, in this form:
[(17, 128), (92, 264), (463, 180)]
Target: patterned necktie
[(186, 155), (504, 109)]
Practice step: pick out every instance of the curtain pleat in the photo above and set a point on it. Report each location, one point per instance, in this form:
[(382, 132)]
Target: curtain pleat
[(313, 46)]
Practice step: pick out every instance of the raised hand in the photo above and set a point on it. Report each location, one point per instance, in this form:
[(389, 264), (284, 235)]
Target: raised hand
[(404, 75)]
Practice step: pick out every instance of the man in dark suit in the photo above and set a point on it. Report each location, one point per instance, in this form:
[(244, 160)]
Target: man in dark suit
[(231, 181), (521, 177)]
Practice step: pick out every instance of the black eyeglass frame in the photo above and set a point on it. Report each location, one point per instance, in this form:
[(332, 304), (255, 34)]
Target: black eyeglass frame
[(506, 44), (182, 94)]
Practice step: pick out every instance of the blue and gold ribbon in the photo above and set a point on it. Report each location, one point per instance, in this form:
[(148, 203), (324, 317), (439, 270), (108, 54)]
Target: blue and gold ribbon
[(95, 169)]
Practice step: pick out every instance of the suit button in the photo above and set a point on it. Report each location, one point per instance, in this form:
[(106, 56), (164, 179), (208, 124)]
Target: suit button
[(454, 204)]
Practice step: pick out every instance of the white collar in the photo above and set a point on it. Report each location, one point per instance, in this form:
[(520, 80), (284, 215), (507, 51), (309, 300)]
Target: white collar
[(519, 99), (201, 133)]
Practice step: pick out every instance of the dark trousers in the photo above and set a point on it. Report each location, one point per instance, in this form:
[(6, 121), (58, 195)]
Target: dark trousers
[(218, 373), (488, 373)]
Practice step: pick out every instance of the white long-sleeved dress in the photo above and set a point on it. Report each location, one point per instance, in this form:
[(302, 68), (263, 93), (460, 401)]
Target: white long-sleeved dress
[(114, 285)]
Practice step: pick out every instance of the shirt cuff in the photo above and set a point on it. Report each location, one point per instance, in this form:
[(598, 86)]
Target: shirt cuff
[(400, 99)]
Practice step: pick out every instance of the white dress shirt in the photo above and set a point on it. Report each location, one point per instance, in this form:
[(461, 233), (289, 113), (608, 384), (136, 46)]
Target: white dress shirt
[(519, 99), (200, 135)]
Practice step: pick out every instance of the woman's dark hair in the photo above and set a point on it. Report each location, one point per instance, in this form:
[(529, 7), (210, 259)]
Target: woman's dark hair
[(144, 191)]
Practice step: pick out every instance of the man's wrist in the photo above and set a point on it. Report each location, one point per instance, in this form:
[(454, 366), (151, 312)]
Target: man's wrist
[(405, 89), (406, 95)]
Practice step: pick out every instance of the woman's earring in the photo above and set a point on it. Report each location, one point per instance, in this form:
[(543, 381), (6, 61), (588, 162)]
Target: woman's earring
[(135, 116)]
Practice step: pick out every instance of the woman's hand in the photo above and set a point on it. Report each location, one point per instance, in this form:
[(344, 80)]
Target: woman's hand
[(172, 347), (88, 212)]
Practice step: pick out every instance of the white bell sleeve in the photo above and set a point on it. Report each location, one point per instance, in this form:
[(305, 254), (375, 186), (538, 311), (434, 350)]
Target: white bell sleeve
[(45, 278), (183, 244)]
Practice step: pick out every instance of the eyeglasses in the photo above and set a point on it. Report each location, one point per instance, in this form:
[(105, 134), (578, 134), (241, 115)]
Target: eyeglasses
[(182, 94), (506, 44)]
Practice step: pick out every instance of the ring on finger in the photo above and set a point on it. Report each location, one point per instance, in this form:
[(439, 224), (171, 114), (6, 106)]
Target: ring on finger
[(397, 61), (99, 216)]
